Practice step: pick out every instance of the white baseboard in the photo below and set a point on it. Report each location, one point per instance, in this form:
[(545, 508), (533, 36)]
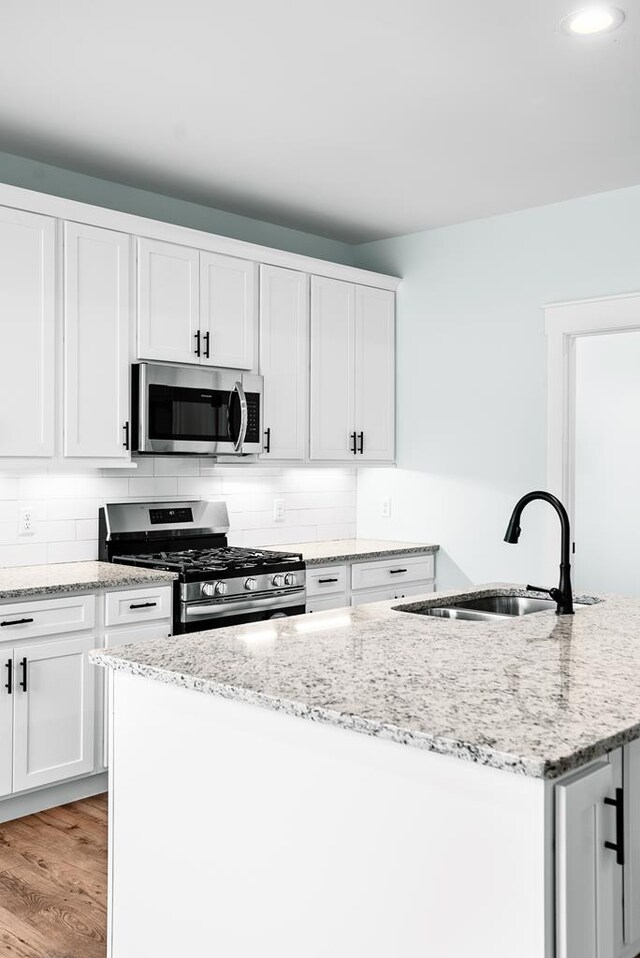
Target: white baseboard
[(17, 806)]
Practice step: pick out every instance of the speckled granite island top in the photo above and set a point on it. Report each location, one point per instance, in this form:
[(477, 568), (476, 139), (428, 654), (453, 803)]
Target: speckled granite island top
[(33, 581), (345, 550), (537, 695)]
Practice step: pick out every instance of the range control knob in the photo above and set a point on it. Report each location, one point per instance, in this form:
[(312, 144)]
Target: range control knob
[(251, 584), (214, 588), (289, 579), (278, 580)]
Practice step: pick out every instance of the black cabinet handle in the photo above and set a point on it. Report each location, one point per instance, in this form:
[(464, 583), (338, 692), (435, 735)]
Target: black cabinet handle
[(197, 338), (9, 684), (396, 571), (126, 435), (267, 440), (16, 622), (353, 443), (618, 845), (23, 680), (327, 580), (361, 438), (206, 344), (142, 605)]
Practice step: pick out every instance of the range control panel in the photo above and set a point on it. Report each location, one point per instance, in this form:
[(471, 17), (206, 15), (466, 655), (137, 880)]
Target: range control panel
[(167, 516)]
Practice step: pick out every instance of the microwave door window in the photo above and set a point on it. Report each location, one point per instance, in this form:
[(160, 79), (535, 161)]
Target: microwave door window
[(189, 414)]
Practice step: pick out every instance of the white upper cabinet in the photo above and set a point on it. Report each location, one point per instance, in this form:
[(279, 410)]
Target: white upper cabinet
[(375, 373), (196, 307), (228, 311), (168, 302), (352, 371), (96, 342), (284, 361), (332, 368), (27, 322)]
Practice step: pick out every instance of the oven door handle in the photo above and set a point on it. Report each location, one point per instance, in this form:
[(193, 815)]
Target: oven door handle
[(244, 416)]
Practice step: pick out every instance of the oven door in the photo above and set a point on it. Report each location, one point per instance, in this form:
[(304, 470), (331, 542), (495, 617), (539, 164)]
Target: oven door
[(204, 412), (199, 616)]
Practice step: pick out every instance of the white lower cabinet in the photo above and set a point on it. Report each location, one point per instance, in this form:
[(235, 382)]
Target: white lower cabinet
[(53, 713), (384, 595), (47, 697), (598, 858), (374, 580), (6, 721), (585, 868)]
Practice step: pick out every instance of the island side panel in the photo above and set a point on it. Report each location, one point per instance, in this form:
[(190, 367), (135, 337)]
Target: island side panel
[(240, 831)]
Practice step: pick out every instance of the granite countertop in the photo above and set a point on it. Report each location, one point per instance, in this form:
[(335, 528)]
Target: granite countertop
[(342, 550), (24, 582), (538, 695)]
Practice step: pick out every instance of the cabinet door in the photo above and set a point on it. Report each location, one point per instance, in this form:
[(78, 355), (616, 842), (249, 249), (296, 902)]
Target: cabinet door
[(168, 302), (6, 719), (584, 867), (54, 721), (375, 373), (332, 368), (27, 315), (631, 783), (284, 361), (96, 341), (228, 311)]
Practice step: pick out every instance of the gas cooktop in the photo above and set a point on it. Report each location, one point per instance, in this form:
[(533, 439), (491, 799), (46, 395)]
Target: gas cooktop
[(192, 563)]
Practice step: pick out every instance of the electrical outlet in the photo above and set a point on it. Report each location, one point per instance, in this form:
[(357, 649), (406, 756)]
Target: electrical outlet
[(25, 525), (385, 508), (278, 510)]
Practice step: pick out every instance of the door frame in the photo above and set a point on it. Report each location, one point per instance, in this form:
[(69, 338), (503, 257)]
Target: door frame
[(564, 324)]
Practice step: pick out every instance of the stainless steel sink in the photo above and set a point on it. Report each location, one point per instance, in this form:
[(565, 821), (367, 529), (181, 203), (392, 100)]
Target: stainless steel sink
[(506, 604), (484, 608)]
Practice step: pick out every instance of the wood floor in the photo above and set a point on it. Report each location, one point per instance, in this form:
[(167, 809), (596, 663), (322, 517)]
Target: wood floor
[(53, 883)]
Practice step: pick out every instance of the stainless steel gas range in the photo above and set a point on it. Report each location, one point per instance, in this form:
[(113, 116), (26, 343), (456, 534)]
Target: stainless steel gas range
[(217, 584)]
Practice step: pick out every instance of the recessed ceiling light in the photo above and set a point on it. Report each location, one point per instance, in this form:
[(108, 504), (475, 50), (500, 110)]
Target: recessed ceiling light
[(594, 19)]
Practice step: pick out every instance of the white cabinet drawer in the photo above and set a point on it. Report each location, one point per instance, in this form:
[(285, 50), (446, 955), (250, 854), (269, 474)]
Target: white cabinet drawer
[(391, 572), (382, 595), (26, 620), (323, 604), (328, 579), (138, 605)]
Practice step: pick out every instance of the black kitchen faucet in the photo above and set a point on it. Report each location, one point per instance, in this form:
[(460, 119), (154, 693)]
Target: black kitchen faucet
[(563, 594)]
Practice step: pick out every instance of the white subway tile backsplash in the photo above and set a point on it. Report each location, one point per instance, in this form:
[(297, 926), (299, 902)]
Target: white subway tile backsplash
[(152, 487), (58, 530), (77, 551), (87, 529), (175, 466), (9, 532), (73, 508), (319, 504), (33, 554), (9, 510)]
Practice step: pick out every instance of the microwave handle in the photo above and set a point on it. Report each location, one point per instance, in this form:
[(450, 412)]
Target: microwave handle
[(244, 417)]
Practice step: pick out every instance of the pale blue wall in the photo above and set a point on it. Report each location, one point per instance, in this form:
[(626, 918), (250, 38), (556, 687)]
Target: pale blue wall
[(471, 413), (19, 171)]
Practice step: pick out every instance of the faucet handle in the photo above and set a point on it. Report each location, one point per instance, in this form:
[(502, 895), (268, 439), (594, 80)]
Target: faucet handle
[(538, 588)]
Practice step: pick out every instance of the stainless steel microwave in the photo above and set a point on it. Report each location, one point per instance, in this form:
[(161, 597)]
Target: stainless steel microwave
[(200, 412)]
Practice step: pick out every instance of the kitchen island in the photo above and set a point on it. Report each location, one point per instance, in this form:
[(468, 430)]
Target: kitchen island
[(377, 782)]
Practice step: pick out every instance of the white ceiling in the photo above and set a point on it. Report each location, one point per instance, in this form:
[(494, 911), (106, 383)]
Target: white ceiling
[(355, 119)]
